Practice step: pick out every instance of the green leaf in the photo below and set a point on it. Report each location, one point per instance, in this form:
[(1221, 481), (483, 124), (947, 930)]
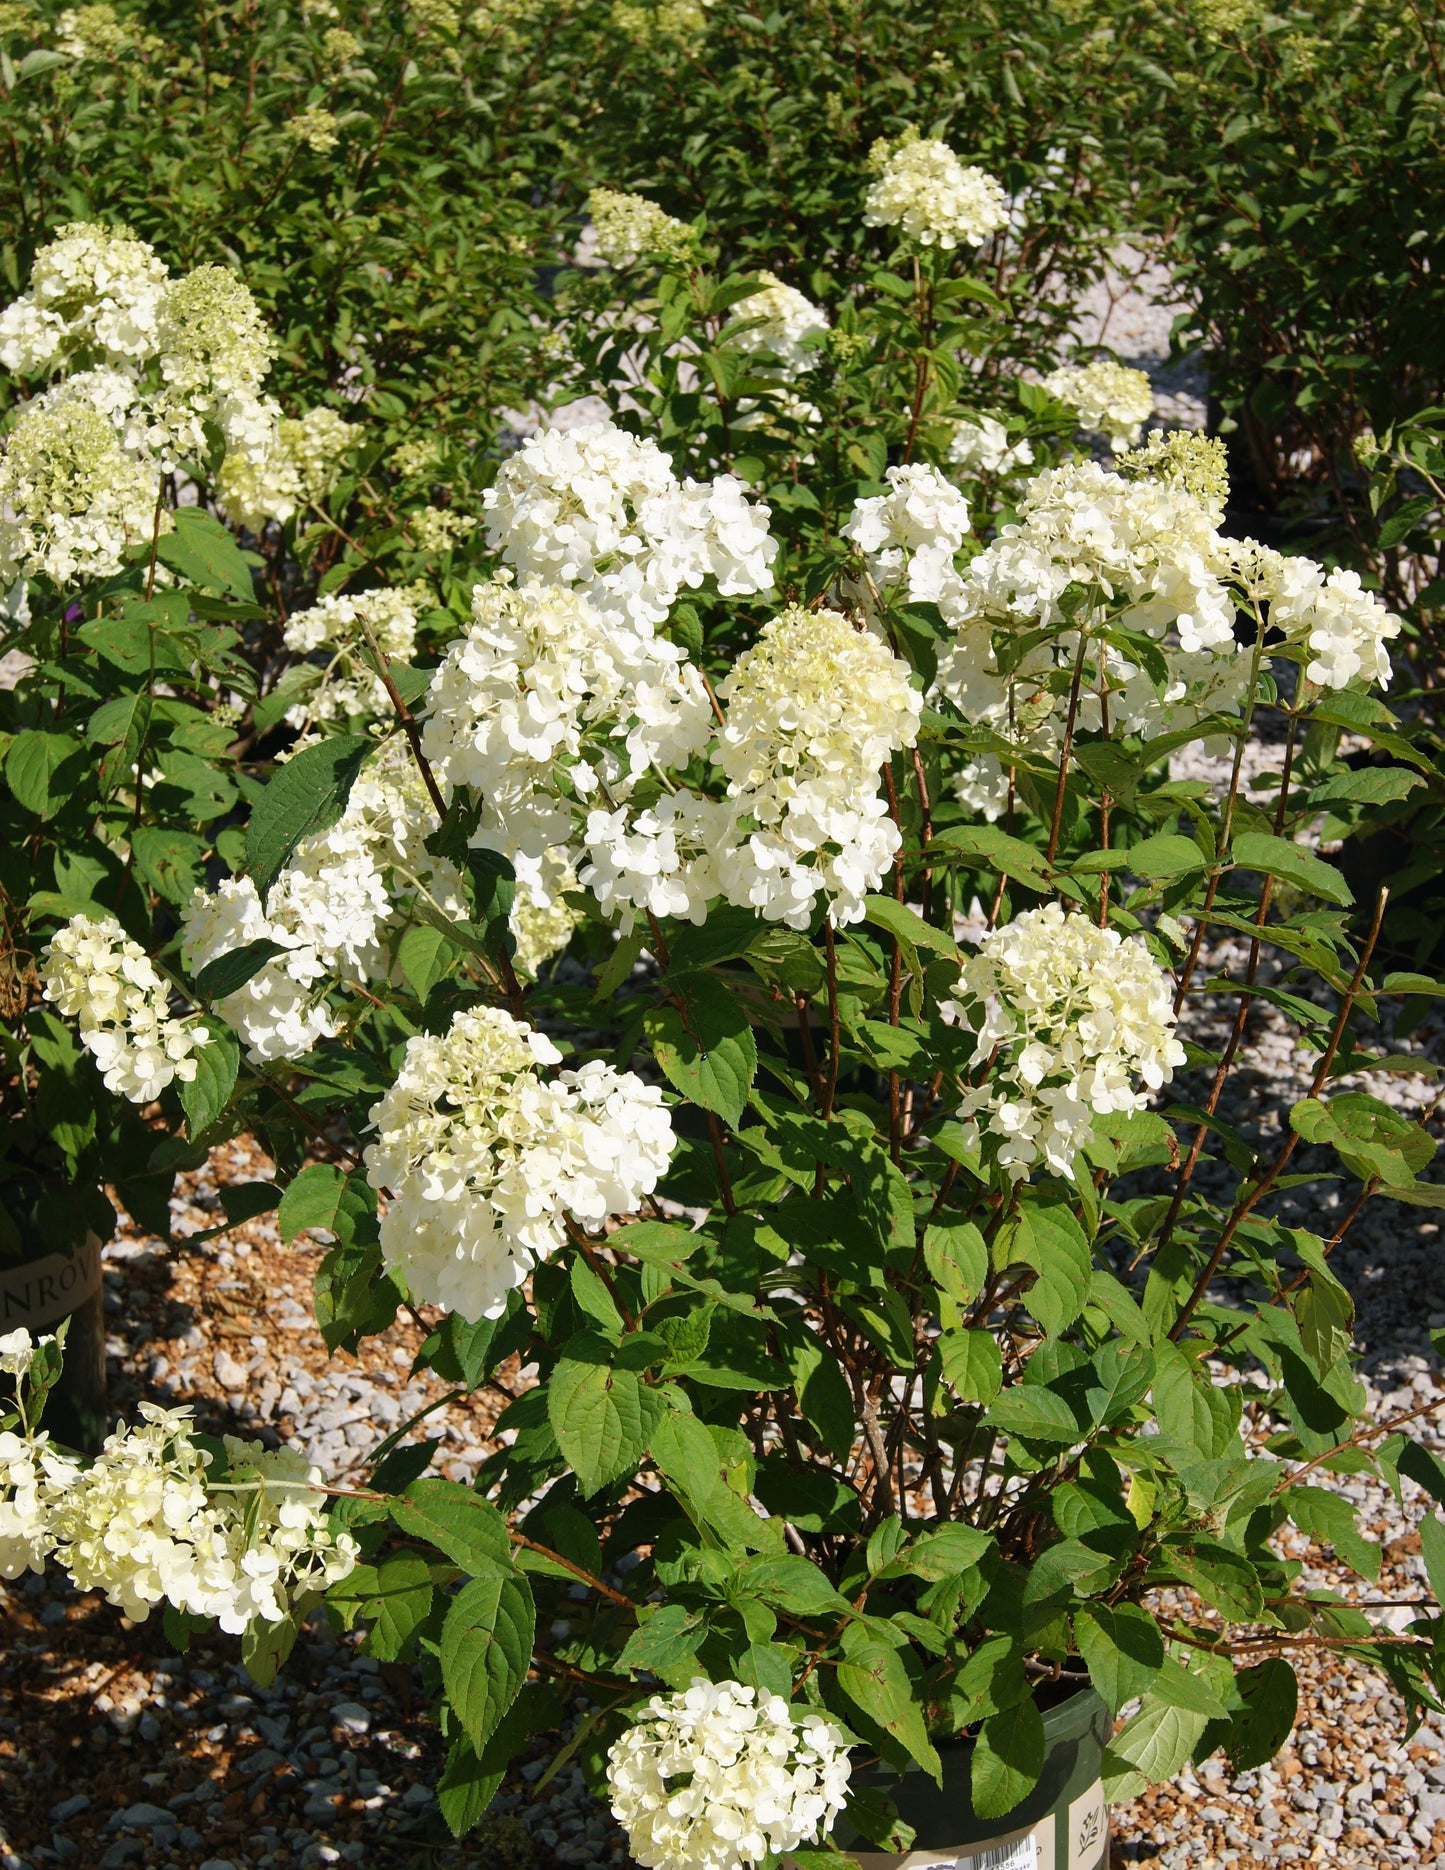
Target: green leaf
[(1190, 1407), (1271, 1703), (1008, 1758), (596, 1412), (686, 1455), (1325, 1313), (395, 1598), (972, 1363), (1373, 1140), (946, 1551), (1278, 857), (457, 1521), (1048, 1238), (229, 972), (486, 1648), (875, 1681), (957, 1260), (425, 956), (1036, 1413), (243, 1201), (909, 927), (670, 1637), (1152, 1747), (1330, 1519), (43, 770), (201, 550), (1123, 1648), (705, 1045), (218, 1062), (1164, 856), (822, 1390), (996, 850), (310, 1199), (305, 795), (1222, 1578), (169, 861)]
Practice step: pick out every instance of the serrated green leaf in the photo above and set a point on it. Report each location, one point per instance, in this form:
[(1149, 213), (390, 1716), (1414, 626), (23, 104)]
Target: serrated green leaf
[(304, 796), (705, 1045), (1278, 857), (1008, 1759), (486, 1648), (596, 1412)]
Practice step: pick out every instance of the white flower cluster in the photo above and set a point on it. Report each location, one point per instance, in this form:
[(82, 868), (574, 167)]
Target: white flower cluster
[(930, 196), (1148, 552), (813, 710), (980, 445), (908, 536), (317, 128), (483, 1157), (1344, 626), (95, 974), (72, 497), (34, 1477), (337, 626), (95, 291), (1107, 397), (547, 701), (17, 1350), (721, 1775), (160, 366), (1069, 1019), (146, 1525), (91, 32), (298, 470), (778, 322), (628, 228), (438, 528), (326, 911), (601, 510), (1149, 555)]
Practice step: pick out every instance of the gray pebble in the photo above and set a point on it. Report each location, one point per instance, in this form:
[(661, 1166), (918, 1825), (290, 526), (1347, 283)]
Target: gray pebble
[(70, 1808)]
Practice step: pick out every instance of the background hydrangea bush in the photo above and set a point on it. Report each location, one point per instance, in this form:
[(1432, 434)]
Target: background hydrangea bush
[(695, 898)]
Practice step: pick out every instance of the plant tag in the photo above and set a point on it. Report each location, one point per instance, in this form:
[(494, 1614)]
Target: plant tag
[(1020, 1854)]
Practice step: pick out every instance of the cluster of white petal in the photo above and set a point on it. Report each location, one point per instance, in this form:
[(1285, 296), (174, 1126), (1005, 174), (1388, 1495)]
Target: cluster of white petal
[(720, 1775), (548, 700), (1070, 1020), (439, 528), (602, 510), (483, 1158), (338, 626), (1147, 553), (628, 228), (908, 536), (1108, 398), (325, 911), (299, 469), (147, 1524), (813, 710), (94, 291), (1344, 627), (213, 349), (72, 498), (95, 974), (160, 367), (777, 322), (154, 1520), (543, 917), (980, 445), (930, 196), (34, 1477)]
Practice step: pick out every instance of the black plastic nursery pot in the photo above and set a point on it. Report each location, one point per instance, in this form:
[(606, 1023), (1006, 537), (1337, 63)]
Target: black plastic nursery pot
[(40, 1290), (1062, 1825)]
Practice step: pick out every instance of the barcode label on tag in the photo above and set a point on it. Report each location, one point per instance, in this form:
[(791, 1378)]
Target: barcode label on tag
[(1022, 1854)]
